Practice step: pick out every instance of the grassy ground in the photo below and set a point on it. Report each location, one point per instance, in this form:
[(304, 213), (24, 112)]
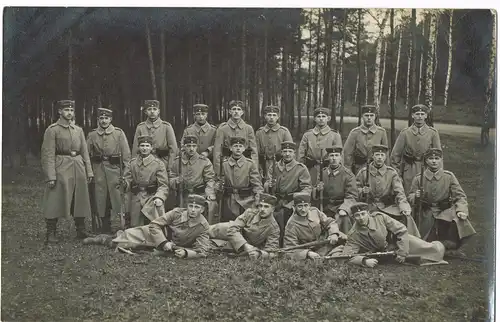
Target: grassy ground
[(91, 283)]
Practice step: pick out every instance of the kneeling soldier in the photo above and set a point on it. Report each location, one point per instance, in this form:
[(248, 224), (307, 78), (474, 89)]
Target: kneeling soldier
[(339, 189), (147, 181), (181, 231), (445, 210), (308, 224)]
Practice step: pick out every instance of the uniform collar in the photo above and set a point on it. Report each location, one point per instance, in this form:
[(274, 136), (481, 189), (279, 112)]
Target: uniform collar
[(191, 160), (108, 130), (332, 172), (239, 162), (154, 124), (429, 174), (288, 166), (233, 125), (64, 124), (275, 128), (422, 130), (365, 129), (147, 160), (374, 170), (190, 221), (205, 127), (323, 131)]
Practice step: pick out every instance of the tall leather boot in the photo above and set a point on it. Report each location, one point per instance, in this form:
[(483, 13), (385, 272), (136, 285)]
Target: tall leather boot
[(50, 236), (80, 228)]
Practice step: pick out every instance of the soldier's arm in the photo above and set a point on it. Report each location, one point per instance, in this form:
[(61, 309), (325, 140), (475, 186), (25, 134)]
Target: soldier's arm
[(349, 145), (337, 139), (173, 173), (184, 133), (351, 248), (212, 142), (360, 180), (135, 144), (162, 179), (303, 145), (415, 183), (90, 145), (173, 148), (328, 224), (350, 192), (399, 191), (260, 144), (124, 147), (127, 175), (304, 178), (458, 195), (253, 144), (397, 151), (436, 141), (48, 154), (219, 140), (201, 246), (291, 239), (385, 142), (401, 233), (85, 154), (287, 136), (234, 235), (156, 228), (273, 240), (255, 180), (209, 178)]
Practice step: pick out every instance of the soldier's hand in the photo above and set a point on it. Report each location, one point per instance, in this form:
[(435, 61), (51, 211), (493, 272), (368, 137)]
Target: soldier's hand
[(181, 253), (268, 184), (333, 239), (366, 189), (254, 254), (342, 213), (405, 212), (371, 262), (90, 178), (320, 186), (313, 255), (218, 186), (51, 184), (418, 193), (211, 197), (272, 255), (158, 202), (462, 215), (168, 246), (249, 248), (400, 259)]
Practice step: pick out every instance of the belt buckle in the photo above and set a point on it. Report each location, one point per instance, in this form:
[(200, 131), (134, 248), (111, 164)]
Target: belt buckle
[(73, 153)]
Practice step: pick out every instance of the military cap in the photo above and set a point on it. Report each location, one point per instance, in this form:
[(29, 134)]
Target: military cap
[(369, 109), (271, 109), (196, 199), (104, 111), (235, 103), (150, 103), (433, 152), (288, 145), (145, 139), (380, 148), (200, 108), (267, 198), (420, 108), (359, 206), (321, 110), (301, 197), (190, 139), (334, 149), (237, 139), (65, 103)]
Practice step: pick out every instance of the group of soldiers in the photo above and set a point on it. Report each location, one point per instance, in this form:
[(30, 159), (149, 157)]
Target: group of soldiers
[(228, 188)]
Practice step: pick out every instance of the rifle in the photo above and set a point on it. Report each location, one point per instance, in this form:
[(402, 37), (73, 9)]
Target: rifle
[(411, 259), (320, 174), (305, 246), (220, 193), (96, 220), (271, 173), (418, 204), (121, 214), (367, 183), (180, 186)]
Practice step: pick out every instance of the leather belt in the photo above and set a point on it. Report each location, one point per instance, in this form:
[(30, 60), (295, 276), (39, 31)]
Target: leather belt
[(71, 154)]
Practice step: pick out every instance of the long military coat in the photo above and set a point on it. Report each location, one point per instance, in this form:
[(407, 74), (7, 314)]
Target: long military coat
[(290, 178), (269, 141), (69, 172), (205, 134), (107, 142), (359, 143)]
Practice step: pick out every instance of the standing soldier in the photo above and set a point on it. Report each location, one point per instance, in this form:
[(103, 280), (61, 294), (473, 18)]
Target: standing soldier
[(411, 144), (107, 147), (314, 141), (195, 176), (66, 165), (147, 180), (202, 130), (381, 187), (234, 127), (164, 142), (289, 177), (339, 188), (269, 138), (241, 184), (362, 138)]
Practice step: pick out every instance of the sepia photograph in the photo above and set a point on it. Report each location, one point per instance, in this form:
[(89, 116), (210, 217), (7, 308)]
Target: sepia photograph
[(248, 164)]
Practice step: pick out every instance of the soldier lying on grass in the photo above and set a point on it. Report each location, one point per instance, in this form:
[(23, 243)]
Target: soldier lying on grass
[(181, 231)]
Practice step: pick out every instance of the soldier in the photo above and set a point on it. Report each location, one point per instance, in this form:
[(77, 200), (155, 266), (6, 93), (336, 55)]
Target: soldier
[(339, 189), (254, 232), (289, 177), (308, 224), (411, 144), (181, 231), (369, 234), (67, 169), (234, 127), (445, 210), (269, 138), (108, 146), (362, 138), (381, 187), (314, 141), (146, 179), (242, 183), (196, 175), (202, 130), (164, 142)]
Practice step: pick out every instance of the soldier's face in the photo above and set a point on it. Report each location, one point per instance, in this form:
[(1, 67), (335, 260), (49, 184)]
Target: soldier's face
[(419, 117), (302, 209), (368, 119), (361, 217), (145, 148), (237, 149), (104, 121), (190, 148), (265, 209), (200, 117), (236, 112), (195, 210), (153, 112), (335, 159), (288, 154), (271, 118), (67, 113), (434, 162), (322, 119), (379, 158)]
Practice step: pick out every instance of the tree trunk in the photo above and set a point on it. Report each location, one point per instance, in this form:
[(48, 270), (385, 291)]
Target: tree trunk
[(266, 96), (316, 67), (366, 83), (359, 83), (380, 39), (413, 62), (392, 96), (397, 64), (163, 77), (382, 78), (243, 64), (70, 66), (342, 58), (309, 72), (151, 61), (450, 58), (299, 78), (429, 93), (328, 55), (284, 83), (492, 67)]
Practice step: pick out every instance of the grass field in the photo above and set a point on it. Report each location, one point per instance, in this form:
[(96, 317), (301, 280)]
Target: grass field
[(72, 282)]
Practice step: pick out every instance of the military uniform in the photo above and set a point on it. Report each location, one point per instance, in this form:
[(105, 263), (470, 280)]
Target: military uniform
[(147, 179), (65, 160), (313, 143), (164, 142), (410, 146), (205, 133), (107, 147)]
